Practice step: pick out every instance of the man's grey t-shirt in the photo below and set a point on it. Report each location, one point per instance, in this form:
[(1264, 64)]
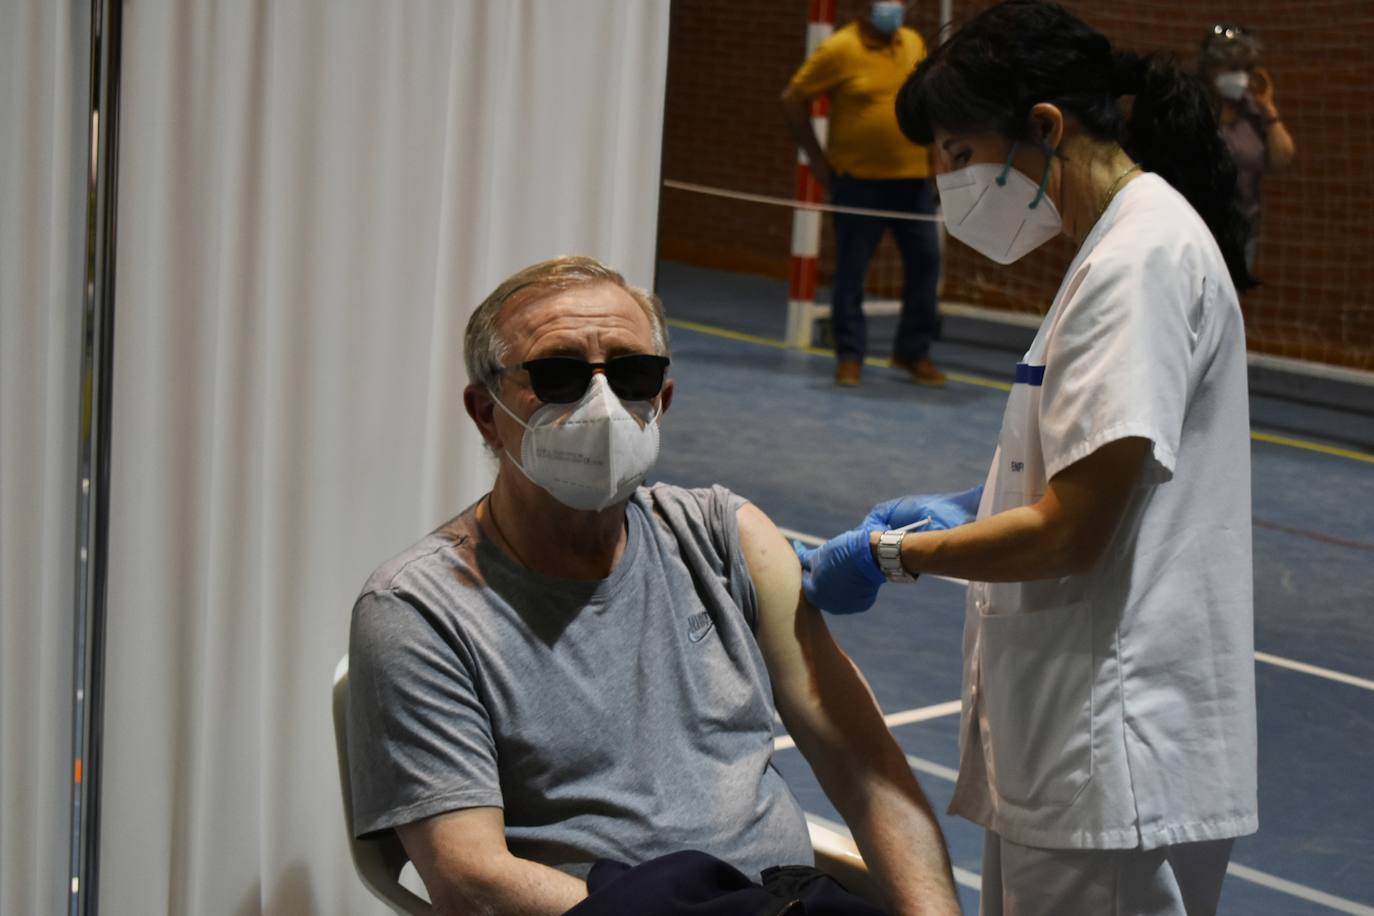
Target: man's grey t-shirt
[(623, 718)]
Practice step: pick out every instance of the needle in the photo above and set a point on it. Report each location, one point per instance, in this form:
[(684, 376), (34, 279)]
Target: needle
[(921, 524)]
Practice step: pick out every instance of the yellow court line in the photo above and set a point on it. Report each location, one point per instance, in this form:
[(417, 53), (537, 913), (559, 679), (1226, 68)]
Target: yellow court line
[(1289, 441), (980, 381), (726, 333)]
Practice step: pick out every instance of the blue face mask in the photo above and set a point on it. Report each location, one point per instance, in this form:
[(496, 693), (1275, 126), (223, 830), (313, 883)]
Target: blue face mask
[(886, 16)]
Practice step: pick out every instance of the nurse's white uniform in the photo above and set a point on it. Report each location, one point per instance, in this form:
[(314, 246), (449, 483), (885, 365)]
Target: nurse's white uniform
[(1115, 710)]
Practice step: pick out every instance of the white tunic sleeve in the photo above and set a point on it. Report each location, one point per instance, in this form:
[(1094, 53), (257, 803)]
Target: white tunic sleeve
[(1117, 358)]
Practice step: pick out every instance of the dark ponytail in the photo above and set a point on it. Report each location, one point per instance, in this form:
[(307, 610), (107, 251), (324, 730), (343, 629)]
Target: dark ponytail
[(1172, 131), (1004, 61)]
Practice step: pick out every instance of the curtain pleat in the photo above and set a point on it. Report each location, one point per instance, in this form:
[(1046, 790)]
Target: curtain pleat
[(44, 100)]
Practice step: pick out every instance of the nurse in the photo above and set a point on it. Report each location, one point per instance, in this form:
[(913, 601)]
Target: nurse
[(1108, 734)]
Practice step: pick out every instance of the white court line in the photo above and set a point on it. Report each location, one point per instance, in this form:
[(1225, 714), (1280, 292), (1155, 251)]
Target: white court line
[(920, 715), (1305, 668), (961, 875), (1292, 888), (931, 768), (1278, 661), (783, 742), (1243, 872)]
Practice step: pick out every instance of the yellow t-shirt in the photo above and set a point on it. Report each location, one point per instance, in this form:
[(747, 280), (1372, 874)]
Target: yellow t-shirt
[(862, 83)]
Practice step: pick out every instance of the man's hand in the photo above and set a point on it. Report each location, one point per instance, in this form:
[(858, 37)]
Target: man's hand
[(821, 171), (1262, 91), (841, 576), (947, 510)]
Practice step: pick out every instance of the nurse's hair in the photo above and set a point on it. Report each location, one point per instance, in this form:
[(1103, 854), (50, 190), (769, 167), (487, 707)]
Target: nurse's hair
[(990, 73), (485, 351)]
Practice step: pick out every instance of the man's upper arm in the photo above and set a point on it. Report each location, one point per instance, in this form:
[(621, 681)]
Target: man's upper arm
[(818, 75), (815, 685), (776, 573), (419, 738)]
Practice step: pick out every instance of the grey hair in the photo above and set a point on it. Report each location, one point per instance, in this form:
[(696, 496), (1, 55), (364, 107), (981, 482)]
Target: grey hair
[(484, 351)]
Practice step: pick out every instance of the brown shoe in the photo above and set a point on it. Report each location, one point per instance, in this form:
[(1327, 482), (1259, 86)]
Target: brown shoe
[(923, 371), (847, 372)]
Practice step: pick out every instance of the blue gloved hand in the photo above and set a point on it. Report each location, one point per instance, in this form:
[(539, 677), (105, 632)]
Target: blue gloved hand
[(841, 576), (947, 510)]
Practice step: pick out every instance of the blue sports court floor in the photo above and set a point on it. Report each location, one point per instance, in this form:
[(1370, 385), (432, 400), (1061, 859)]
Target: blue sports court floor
[(768, 423)]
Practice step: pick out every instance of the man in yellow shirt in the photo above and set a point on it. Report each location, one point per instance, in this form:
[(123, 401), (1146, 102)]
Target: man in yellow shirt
[(869, 163)]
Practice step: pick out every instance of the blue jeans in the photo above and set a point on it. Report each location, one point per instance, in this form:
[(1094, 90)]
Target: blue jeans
[(857, 237)]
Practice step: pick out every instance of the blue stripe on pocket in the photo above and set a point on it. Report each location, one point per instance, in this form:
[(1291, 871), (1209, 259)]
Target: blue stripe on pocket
[(1027, 374)]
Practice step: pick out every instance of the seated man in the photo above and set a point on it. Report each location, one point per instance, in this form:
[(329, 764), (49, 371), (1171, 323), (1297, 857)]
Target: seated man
[(578, 667)]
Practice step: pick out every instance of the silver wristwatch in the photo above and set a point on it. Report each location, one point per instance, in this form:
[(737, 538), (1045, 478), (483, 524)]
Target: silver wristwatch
[(890, 557)]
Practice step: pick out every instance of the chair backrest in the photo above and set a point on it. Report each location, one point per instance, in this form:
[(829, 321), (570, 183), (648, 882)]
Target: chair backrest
[(378, 861)]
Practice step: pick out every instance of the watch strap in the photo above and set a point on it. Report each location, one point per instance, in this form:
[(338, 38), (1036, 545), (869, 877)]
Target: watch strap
[(890, 557)]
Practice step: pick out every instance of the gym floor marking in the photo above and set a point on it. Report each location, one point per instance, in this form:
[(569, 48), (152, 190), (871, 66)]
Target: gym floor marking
[(783, 742), (961, 875), (1243, 872), (982, 382)]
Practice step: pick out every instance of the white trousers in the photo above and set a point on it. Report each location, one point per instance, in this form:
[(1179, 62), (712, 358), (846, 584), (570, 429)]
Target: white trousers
[(1182, 880)]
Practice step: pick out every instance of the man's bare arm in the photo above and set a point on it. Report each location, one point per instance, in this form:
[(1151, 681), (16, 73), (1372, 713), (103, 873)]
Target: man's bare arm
[(796, 112), (831, 713), (467, 869)]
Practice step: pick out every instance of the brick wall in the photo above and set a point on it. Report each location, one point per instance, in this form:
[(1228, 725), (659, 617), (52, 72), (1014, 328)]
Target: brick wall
[(729, 61)]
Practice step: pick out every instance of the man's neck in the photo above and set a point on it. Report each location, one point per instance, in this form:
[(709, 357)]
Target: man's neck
[(543, 535)]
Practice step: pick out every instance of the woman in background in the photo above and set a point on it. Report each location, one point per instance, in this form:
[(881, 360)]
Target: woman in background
[(1243, 98)]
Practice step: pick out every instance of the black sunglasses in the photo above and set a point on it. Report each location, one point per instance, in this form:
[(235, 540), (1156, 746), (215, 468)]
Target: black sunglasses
[(564, 379)]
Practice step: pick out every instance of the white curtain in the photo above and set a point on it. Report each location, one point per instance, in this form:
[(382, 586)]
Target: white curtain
[(44, 96), (313, 197)]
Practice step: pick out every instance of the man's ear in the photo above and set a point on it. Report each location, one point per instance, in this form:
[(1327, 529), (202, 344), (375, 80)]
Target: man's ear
[(665, 397), (481, 406), (1047, 123)]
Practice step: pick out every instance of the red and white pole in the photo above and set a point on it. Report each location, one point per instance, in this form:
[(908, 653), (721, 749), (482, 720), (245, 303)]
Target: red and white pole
[(806, 224)]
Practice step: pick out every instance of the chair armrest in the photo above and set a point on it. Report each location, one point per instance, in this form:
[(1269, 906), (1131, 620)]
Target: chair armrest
[(838, 857)]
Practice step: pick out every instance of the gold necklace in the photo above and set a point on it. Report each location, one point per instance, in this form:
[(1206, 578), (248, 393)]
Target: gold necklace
[(496, 526), (1111, 192)]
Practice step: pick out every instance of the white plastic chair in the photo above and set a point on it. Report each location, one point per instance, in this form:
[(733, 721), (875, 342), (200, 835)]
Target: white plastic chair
[(379, 861)]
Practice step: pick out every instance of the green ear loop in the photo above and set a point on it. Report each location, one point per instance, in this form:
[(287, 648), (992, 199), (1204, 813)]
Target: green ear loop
[(1044, 177), (1044, 181), (1006, 166)]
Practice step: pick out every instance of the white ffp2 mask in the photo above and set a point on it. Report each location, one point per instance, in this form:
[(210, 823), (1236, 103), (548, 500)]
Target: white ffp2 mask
[(590, 454), (997, 211), (1232, 85)]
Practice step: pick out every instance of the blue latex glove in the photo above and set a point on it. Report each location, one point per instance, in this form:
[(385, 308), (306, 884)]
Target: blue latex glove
[(841, 576), (947, 510)]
